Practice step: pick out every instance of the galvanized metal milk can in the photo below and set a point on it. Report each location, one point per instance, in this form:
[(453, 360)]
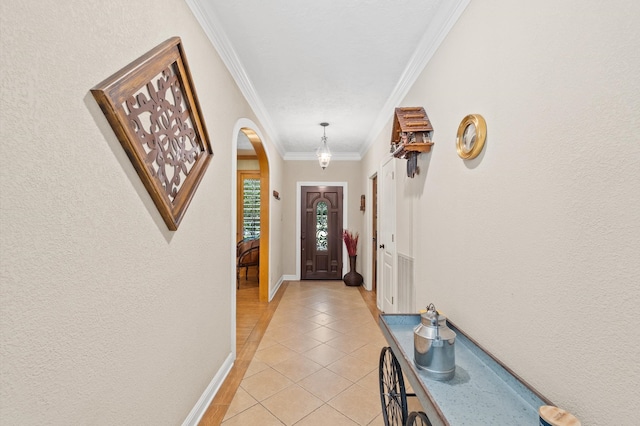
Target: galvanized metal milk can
[(434, 345)]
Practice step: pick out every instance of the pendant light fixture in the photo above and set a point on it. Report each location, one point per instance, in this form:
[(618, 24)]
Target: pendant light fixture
[(323, 152)]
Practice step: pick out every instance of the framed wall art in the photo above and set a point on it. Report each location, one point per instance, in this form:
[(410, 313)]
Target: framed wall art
[(152, 107)]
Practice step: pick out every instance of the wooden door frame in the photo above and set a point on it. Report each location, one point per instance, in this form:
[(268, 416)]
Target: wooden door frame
[(265, 200), (345, 203), (252, 131), (308, 245)]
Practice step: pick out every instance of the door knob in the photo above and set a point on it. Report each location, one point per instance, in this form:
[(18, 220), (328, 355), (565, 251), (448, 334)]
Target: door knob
[(381, 246)]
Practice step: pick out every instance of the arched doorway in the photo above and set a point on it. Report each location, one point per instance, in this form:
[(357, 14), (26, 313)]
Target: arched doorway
[(263, 162)]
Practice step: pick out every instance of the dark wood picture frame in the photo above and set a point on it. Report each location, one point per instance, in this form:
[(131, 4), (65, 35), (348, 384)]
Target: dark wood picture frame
[(152, 106)]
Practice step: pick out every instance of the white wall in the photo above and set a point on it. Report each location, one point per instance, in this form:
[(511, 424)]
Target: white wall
[(107, 317), (533, 247)]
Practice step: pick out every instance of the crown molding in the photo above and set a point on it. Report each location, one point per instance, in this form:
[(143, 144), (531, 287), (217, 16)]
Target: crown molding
[(448, 14), (429, 44), (219, 40)]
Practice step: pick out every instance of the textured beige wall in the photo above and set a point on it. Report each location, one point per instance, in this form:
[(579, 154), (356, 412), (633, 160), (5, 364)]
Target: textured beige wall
[(533, 247), (310, 171), (276, 213), (107, 317)]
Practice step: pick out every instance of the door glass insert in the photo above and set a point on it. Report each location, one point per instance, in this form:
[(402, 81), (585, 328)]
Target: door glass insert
[(322, 226)]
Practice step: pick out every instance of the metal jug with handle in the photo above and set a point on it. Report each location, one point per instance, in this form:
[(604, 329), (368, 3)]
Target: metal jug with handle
[(434, 345)]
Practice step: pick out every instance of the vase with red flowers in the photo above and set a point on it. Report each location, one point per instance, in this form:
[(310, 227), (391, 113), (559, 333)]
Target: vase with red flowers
[(351, 278)]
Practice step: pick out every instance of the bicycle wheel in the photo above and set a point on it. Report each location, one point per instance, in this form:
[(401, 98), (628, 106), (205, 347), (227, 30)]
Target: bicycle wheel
[(393, 396), (418, 418)]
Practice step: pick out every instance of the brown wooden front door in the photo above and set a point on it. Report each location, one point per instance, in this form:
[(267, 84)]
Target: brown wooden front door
[(321, 233)]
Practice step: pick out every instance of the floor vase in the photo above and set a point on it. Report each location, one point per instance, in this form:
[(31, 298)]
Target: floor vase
[(352, 278)]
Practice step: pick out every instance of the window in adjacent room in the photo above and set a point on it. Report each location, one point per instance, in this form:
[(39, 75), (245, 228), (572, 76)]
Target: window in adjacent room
[(250, 207)]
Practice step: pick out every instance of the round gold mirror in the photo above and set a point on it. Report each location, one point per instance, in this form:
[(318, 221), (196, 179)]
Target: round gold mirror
[(471, 135)]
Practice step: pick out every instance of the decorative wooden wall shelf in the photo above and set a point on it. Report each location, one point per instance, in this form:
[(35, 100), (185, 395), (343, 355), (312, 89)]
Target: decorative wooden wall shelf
[(411, 135), (152, 106)]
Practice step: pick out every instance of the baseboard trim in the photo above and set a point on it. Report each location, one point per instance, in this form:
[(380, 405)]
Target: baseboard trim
[(210, 392), (276, 287)]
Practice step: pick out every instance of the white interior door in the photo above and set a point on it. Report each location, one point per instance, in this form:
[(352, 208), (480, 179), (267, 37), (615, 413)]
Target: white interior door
[(387, 284)]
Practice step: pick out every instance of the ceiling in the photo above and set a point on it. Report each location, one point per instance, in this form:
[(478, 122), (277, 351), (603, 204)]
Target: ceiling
[(303, 62)]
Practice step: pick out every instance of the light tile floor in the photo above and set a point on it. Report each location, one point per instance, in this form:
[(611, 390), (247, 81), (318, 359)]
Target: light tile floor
[(317, 363)]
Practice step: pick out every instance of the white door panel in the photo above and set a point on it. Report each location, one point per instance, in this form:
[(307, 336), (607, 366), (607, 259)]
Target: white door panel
[(386, 237)]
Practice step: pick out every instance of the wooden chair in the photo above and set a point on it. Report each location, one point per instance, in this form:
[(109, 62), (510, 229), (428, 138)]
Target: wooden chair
[(248, 254)]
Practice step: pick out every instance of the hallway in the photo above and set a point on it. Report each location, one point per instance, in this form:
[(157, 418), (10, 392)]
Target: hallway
[(317, 362)]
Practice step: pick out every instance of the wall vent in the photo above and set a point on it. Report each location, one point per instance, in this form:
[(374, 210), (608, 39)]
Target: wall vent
[(406, 290)]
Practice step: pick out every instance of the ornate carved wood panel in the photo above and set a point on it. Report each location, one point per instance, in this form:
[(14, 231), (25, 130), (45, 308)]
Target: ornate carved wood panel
[(152, 106)]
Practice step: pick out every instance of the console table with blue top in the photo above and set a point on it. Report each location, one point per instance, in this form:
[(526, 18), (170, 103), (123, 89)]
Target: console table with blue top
[(483, 391)]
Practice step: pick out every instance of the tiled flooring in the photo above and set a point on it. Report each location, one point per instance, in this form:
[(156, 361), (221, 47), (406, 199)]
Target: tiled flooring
[(317, 363)]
